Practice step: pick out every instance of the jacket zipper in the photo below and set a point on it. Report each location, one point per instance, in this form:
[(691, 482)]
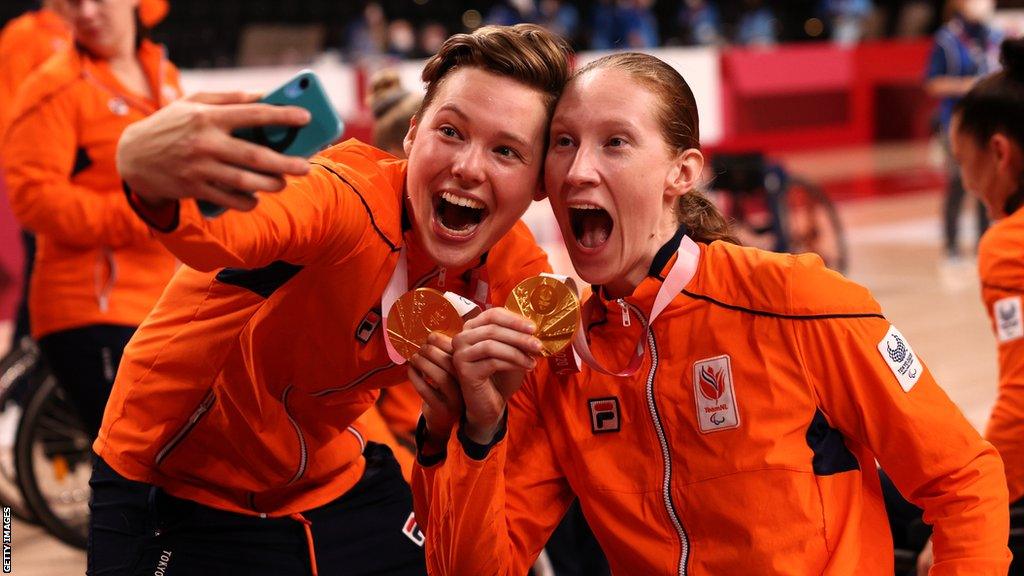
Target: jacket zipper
[(303, 453), (203, 407), (684, 540)]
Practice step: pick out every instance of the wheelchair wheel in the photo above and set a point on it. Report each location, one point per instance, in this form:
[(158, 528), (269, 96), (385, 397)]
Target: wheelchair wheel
[(17, 371), (54, 460), (811, 223)]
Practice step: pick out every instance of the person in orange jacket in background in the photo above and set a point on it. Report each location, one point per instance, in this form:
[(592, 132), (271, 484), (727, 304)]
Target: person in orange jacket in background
[(759, 387), (98, 269), (987, 137), (26, 42), (229, 442)]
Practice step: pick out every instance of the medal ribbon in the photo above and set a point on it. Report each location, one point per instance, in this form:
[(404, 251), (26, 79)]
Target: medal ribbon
[(685, 266), (398, 284)]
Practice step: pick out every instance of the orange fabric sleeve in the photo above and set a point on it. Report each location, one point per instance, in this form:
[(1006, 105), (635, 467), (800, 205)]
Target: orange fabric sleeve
[(933, 455), (1005, 429), (39, 155), (315, 218), (492, 516), (1002, 289)]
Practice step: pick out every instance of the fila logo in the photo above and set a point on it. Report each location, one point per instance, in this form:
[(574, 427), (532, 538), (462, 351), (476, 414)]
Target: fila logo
[(367, 326), (412, 530), (604, 415), (714, 395)]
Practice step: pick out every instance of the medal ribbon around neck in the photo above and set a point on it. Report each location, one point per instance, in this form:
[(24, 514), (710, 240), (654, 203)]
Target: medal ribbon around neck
[(398, 285), (685, 266)]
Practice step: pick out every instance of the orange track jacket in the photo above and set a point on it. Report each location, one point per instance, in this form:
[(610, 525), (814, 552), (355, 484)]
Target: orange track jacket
[(746, 443), (1001, 267), (241, 388), (25, 43), (97, 263)]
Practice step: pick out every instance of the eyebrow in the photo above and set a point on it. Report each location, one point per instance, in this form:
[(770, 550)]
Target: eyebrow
[(503, 134)]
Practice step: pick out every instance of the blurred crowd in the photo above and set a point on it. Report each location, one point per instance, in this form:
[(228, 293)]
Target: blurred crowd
[(617, 24)]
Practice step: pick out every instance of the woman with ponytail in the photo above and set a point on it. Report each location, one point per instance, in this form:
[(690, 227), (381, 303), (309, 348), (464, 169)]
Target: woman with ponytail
[(988, 143), (733, 401)]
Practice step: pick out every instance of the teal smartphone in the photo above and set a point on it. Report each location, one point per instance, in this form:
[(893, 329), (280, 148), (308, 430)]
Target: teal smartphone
[(325, 126)]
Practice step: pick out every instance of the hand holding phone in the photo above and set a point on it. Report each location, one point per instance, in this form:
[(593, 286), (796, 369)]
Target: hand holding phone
[(303, 90)]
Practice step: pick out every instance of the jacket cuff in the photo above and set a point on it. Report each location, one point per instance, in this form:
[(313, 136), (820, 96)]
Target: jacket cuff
[(480, 451), (427, 460), (163, 220)]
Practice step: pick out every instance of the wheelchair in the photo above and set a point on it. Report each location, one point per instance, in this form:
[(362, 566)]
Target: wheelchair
[(773, 209), (44, 472)]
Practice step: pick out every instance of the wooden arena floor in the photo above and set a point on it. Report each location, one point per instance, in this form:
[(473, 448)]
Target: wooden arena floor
[(895, 251)]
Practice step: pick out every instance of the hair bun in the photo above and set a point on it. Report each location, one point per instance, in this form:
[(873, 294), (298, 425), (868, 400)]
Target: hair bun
[(1011, 56)]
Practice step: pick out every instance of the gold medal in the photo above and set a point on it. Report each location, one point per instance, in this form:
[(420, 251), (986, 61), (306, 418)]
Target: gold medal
[(415, 315), (552, 306)]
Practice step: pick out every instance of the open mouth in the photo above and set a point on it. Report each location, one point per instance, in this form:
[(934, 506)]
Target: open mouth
[(458, 215), (591, 225)]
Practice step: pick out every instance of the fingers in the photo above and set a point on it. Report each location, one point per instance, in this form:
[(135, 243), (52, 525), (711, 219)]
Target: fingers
[(256, 158), (443, 394), (439, 356), (233, 116), (224, 97), (490, 356), (238, 180), (440, 341), (499, 335), (501, 317), (436, 367)]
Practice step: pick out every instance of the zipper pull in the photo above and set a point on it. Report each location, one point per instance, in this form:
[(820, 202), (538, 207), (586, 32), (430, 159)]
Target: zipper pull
[(441, 277), (625, 312)]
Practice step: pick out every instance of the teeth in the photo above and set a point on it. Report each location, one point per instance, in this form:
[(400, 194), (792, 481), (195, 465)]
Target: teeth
[(462, 201), (585, 206)]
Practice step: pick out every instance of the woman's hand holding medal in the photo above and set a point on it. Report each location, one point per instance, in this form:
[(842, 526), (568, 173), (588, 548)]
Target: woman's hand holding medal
[(488, 355)]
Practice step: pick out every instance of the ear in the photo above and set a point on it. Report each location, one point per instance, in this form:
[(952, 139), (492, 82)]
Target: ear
[(685, 173), (1001, 148), (410, 136)]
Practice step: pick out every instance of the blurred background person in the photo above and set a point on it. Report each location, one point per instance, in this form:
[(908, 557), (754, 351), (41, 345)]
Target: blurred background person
[(25, 43), (700, 23), (98, 269), (847, 18), (757, 25), (987, 137), (965, 48)]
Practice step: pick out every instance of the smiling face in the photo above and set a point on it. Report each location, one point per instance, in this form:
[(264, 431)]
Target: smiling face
[(475, 156), (612, 179)]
